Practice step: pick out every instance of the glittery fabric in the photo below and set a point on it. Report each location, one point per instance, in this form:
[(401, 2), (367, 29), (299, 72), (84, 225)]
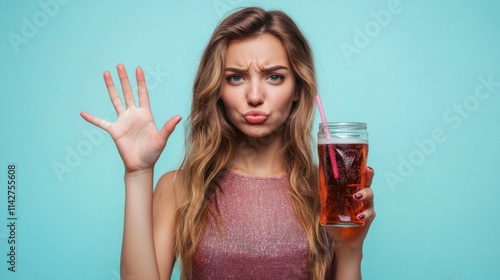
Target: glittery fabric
[(260, 238)]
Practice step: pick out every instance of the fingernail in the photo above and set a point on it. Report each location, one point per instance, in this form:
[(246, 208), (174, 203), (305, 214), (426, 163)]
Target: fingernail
[(361, 216), (358, 196)]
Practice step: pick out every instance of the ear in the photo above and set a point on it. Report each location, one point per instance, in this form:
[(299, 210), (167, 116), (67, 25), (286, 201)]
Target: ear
[(296, 96)]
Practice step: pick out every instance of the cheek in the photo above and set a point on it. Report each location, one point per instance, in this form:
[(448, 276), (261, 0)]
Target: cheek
[(285, 101), (226, 98), (229, 106)]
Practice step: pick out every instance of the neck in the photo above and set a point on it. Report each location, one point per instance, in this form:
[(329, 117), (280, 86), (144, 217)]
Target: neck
[(258, 156)]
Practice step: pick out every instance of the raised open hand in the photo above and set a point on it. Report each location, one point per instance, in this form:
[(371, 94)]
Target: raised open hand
[(134, 133)]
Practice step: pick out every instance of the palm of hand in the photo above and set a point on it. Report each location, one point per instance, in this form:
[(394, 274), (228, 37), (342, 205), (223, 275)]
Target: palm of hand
[(134, 133), (137, 139)]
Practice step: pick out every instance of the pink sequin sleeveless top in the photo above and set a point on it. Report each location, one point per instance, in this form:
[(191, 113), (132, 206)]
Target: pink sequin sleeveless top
[(261, 238)]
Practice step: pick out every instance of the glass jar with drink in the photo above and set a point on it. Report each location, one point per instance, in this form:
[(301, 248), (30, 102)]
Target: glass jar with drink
[(343, 152)]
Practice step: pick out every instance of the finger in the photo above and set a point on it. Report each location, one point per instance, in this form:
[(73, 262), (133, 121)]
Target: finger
[(96, 121), (369, 176), (113, 94), (142, 89), (169, 127), (365, 195), (367, 215), (128, 95)]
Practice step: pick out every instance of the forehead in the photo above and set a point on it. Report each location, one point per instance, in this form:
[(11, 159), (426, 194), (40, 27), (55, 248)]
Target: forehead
[(259, 51)]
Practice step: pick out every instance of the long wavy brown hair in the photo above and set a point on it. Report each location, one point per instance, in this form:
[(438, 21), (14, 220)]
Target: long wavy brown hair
[(212, 140)]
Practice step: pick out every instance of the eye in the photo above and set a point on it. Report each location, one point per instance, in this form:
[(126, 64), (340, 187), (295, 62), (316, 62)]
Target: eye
[(275, 78), (234, 79)]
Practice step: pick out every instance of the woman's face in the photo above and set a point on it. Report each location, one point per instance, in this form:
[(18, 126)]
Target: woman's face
[(259, 88)]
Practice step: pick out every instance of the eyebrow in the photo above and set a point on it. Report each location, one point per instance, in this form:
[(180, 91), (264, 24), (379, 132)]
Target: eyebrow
[(269, 69)]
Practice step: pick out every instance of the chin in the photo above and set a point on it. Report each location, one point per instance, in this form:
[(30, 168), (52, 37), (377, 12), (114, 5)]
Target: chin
[(254, 132)]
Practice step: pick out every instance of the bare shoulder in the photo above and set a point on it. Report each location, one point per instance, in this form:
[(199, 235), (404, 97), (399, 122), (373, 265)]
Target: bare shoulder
[(170, 188)]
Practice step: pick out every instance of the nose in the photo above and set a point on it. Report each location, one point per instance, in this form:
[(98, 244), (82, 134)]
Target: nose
[(255, 93)]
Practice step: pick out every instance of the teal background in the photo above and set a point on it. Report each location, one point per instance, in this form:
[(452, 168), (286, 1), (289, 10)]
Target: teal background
[(413, 79)]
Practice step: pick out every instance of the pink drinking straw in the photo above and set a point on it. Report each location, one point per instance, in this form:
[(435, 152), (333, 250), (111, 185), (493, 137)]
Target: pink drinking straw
[(327, 132)]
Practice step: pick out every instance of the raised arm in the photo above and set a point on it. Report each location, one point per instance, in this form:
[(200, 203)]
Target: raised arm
[(139, 145), (165, 198), (348, 242)]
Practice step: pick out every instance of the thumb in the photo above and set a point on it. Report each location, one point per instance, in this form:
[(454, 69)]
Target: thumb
[(169, 127)]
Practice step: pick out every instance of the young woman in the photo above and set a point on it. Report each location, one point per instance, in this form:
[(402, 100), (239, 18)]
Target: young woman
[(245, 202)]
